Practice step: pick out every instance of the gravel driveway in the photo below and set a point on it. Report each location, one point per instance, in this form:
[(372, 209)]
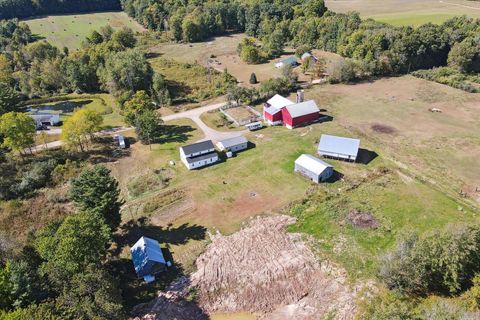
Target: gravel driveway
[(210, 134)]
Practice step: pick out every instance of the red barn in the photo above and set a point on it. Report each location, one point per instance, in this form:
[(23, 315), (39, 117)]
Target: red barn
[(272, 111), (301, 113)]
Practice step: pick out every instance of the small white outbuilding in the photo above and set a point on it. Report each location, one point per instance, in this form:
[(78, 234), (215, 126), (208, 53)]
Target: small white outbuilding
[(233, 144), (313, 168)]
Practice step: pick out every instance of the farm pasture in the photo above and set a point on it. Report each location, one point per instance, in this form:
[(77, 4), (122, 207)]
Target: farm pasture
[(407, 12), (70, 30), (411, 184)]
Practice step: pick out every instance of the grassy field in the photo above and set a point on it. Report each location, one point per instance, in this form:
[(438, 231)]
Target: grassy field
[(189, 82), (419, 163), (423, 178), (102, 103), (407, 12), (223, 54), (70, 30)]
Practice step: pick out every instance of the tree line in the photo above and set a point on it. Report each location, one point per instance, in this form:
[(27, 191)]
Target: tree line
[(374, 48), (57, 276), (10, 9)]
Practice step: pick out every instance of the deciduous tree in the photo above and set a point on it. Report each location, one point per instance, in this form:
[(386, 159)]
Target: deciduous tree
[(70, 246), (139, 103), (18, 130)]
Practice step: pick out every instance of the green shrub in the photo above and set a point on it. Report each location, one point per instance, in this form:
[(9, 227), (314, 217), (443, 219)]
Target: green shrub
[(441, 262)]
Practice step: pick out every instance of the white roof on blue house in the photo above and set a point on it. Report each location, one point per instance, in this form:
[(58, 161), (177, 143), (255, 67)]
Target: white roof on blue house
[(312, 163), (146, 252), (339, 145)]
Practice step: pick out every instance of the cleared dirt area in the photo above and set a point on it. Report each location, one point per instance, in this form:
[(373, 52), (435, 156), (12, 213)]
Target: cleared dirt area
[(264, 270)]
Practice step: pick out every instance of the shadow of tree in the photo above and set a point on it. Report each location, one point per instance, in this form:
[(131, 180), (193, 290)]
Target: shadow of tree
[(174, 133), (131, 231), (105, 150), (178, 89)]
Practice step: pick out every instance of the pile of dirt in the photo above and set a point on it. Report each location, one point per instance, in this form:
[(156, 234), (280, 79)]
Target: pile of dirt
[(363, 220), (265, 270), (381, 128), (167, 306), (260, 269)]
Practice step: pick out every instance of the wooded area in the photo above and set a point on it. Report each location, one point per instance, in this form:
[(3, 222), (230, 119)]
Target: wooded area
[(10, 9)]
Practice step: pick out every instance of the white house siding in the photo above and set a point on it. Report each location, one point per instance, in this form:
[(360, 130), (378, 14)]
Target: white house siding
[(202, 163), (239, 147), (317, 178)]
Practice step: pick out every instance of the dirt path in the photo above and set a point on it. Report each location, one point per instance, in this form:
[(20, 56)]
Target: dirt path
[(210, 134)]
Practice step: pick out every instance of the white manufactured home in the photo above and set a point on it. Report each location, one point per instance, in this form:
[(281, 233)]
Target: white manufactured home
[(48, 119), (198, 155), (338, 147), (233, 144), (313, 168)]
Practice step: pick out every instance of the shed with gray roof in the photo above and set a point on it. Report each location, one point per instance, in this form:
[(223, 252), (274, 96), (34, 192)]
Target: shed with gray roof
[(233, 144), (338, 147), (313, 168)]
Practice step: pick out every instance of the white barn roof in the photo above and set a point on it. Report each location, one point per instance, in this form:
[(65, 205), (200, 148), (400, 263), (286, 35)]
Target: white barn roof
[(278, 102), (312, 164), (228, 143), (339, 145), (303, 108)]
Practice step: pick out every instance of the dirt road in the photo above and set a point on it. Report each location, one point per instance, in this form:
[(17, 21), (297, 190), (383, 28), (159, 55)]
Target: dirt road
[(210, 134)]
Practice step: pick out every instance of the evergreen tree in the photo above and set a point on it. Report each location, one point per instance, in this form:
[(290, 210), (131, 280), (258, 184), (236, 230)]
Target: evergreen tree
[(97, 191), (253, 78)]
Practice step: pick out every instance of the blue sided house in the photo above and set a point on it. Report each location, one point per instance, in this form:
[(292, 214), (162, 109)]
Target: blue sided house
[(148, 259)]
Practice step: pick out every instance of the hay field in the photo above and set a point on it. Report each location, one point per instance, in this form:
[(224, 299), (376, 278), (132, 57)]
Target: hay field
[(407, 12), (70, 30)]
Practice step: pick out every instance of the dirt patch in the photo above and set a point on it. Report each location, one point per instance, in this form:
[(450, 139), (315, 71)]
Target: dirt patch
[(243, 114), (265, 270), (363, 220), (168, 306), (381, 128), (260, 269)]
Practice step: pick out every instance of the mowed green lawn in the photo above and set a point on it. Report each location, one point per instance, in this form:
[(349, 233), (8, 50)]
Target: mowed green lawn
[(70, 30), (408, 12)]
